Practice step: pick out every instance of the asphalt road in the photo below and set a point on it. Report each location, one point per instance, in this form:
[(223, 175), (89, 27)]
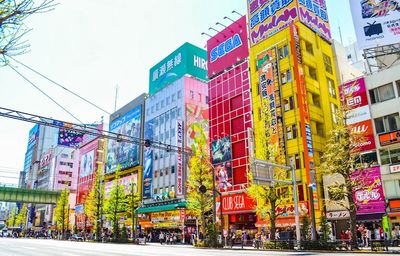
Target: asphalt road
[(37, 247)]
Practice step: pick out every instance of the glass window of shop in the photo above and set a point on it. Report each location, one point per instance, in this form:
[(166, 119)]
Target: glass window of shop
[(398, 87), (387, 123), (390, 156), (382, 93), (368, 159)]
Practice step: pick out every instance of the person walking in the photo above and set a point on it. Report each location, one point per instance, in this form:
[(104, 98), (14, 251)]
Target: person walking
[(161, 237)]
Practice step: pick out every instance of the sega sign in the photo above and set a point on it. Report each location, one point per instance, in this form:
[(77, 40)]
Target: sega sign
[(227, 47)]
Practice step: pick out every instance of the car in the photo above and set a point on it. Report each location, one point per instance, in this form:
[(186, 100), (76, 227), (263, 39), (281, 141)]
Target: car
[(76, 237)]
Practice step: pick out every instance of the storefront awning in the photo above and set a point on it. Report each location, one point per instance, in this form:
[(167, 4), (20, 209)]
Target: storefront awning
[(374, 217), (279, 222), (162, 208)]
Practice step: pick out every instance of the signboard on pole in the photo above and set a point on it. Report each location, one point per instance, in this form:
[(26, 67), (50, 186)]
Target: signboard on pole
[(179, 168), (376, 22)]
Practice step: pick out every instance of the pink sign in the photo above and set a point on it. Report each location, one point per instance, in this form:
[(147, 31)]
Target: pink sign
[(353, 94), (369, 195), (227, 47)]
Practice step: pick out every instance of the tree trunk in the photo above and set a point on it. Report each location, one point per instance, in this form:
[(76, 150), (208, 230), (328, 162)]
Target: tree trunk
[(353, 222), (273, 220)]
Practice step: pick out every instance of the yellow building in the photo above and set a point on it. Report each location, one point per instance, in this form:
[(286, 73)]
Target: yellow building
[(291, 65)]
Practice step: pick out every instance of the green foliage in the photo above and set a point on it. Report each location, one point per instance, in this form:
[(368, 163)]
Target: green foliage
[(124, 235), (93, 206), (325, 229), (21, 217), (12, 217), (115, 204), (212, 234), (305, 229), (200, 169), (61, 212)]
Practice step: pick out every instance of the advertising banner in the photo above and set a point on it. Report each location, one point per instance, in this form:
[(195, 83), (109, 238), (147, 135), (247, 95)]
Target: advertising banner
[(268, 17), (369, 196), (304, 111), (227, 47), (122, 154), (148, 161), (125, 181), (180, 167), (221, 150), (271, 95), (389, 138), (45, 159), (69, 138), (313, 13), (376, 22), (187, 59), (196, 118), (223, 175), (87, 164), (354, 96)]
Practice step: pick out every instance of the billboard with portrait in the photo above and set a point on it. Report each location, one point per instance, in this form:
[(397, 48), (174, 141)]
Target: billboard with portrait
[(69, 138), (148, 160), (87, 164), (221, 150), (376, 22), (224, 175), (124, 155)]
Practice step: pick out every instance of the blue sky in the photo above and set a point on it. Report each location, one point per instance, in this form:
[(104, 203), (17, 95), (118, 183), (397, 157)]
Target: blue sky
[(90, 46)]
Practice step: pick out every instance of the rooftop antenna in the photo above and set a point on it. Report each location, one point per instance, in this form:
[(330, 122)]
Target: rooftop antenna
[(237, 13), (116, 97), (340, 34), (233, 21), (219, 23)]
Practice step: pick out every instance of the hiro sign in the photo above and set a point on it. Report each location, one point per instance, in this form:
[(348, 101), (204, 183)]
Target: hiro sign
[(227, 47)]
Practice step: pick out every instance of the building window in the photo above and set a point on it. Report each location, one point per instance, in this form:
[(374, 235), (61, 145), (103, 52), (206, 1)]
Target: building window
[(387, 123), (173, 169), (173, 114), (155, 191), (157, 106), (286, 77), (328, 64), (179, 94), (296, 161), (191, 95), (155, 174), (331, 87), (390, 156), (161, 173), (283, 51), (320, 129), (207, 99), (382, 93), (398, 87), (288, 103), (173, 188), (309, 47), (312, 72), (166, 171), (291, 132), (162, 104), (334, 112), (167, 100), (259, 114), (316, 100), (152, 109)]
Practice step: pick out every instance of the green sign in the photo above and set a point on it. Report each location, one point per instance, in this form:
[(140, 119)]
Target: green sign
[(187, 59)]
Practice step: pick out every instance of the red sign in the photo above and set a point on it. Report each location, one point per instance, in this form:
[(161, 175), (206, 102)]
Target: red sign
[(353, 94), (227, 47), (237, 203), (389, 138), (365, 129)]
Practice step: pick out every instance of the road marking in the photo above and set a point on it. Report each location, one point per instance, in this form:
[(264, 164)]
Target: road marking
[(29, 248)]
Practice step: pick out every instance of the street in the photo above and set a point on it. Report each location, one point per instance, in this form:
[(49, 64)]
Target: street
[(35, 247)]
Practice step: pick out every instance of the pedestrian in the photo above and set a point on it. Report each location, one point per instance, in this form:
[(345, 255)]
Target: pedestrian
[(377, 234), (161, 237)]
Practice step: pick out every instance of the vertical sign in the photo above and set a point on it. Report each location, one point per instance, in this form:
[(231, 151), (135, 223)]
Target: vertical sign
[(304, 113), (148, 160), (179, 168)]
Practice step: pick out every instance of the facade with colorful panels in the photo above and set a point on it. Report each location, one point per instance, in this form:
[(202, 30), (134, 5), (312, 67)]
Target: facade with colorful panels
[(293, 78), (176, 103), (230, 117)]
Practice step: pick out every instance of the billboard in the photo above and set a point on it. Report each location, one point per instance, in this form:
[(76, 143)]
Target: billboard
[(126, 182), (369, 196), (313, 13), (376, 22), (389, 138), (69, 138), (87, 164), (33, 135), (267, 18), (221, 150), (196, 118), (271, 95), (223, 175), (354, 96), (180, 167), (148, 160), (122, 154), (187, 59), (227, 47)]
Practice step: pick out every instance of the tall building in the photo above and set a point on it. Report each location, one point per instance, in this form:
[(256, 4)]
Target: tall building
[(293, 76), (230, 117), (177, 99)]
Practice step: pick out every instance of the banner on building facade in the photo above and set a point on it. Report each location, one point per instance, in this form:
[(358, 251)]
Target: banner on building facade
[(180, 164), (69, 138), (221, 150), (148, 160), (122, 154), (376, 22)]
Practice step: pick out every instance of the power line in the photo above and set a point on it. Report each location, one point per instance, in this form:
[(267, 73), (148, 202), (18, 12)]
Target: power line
[(7, 167), (59, 85), (26, 79)]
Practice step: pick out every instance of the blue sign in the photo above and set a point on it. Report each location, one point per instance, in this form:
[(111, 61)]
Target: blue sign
[(148, 161)]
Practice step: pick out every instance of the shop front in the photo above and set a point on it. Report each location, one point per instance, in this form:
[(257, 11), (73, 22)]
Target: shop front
[(394, 213)]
